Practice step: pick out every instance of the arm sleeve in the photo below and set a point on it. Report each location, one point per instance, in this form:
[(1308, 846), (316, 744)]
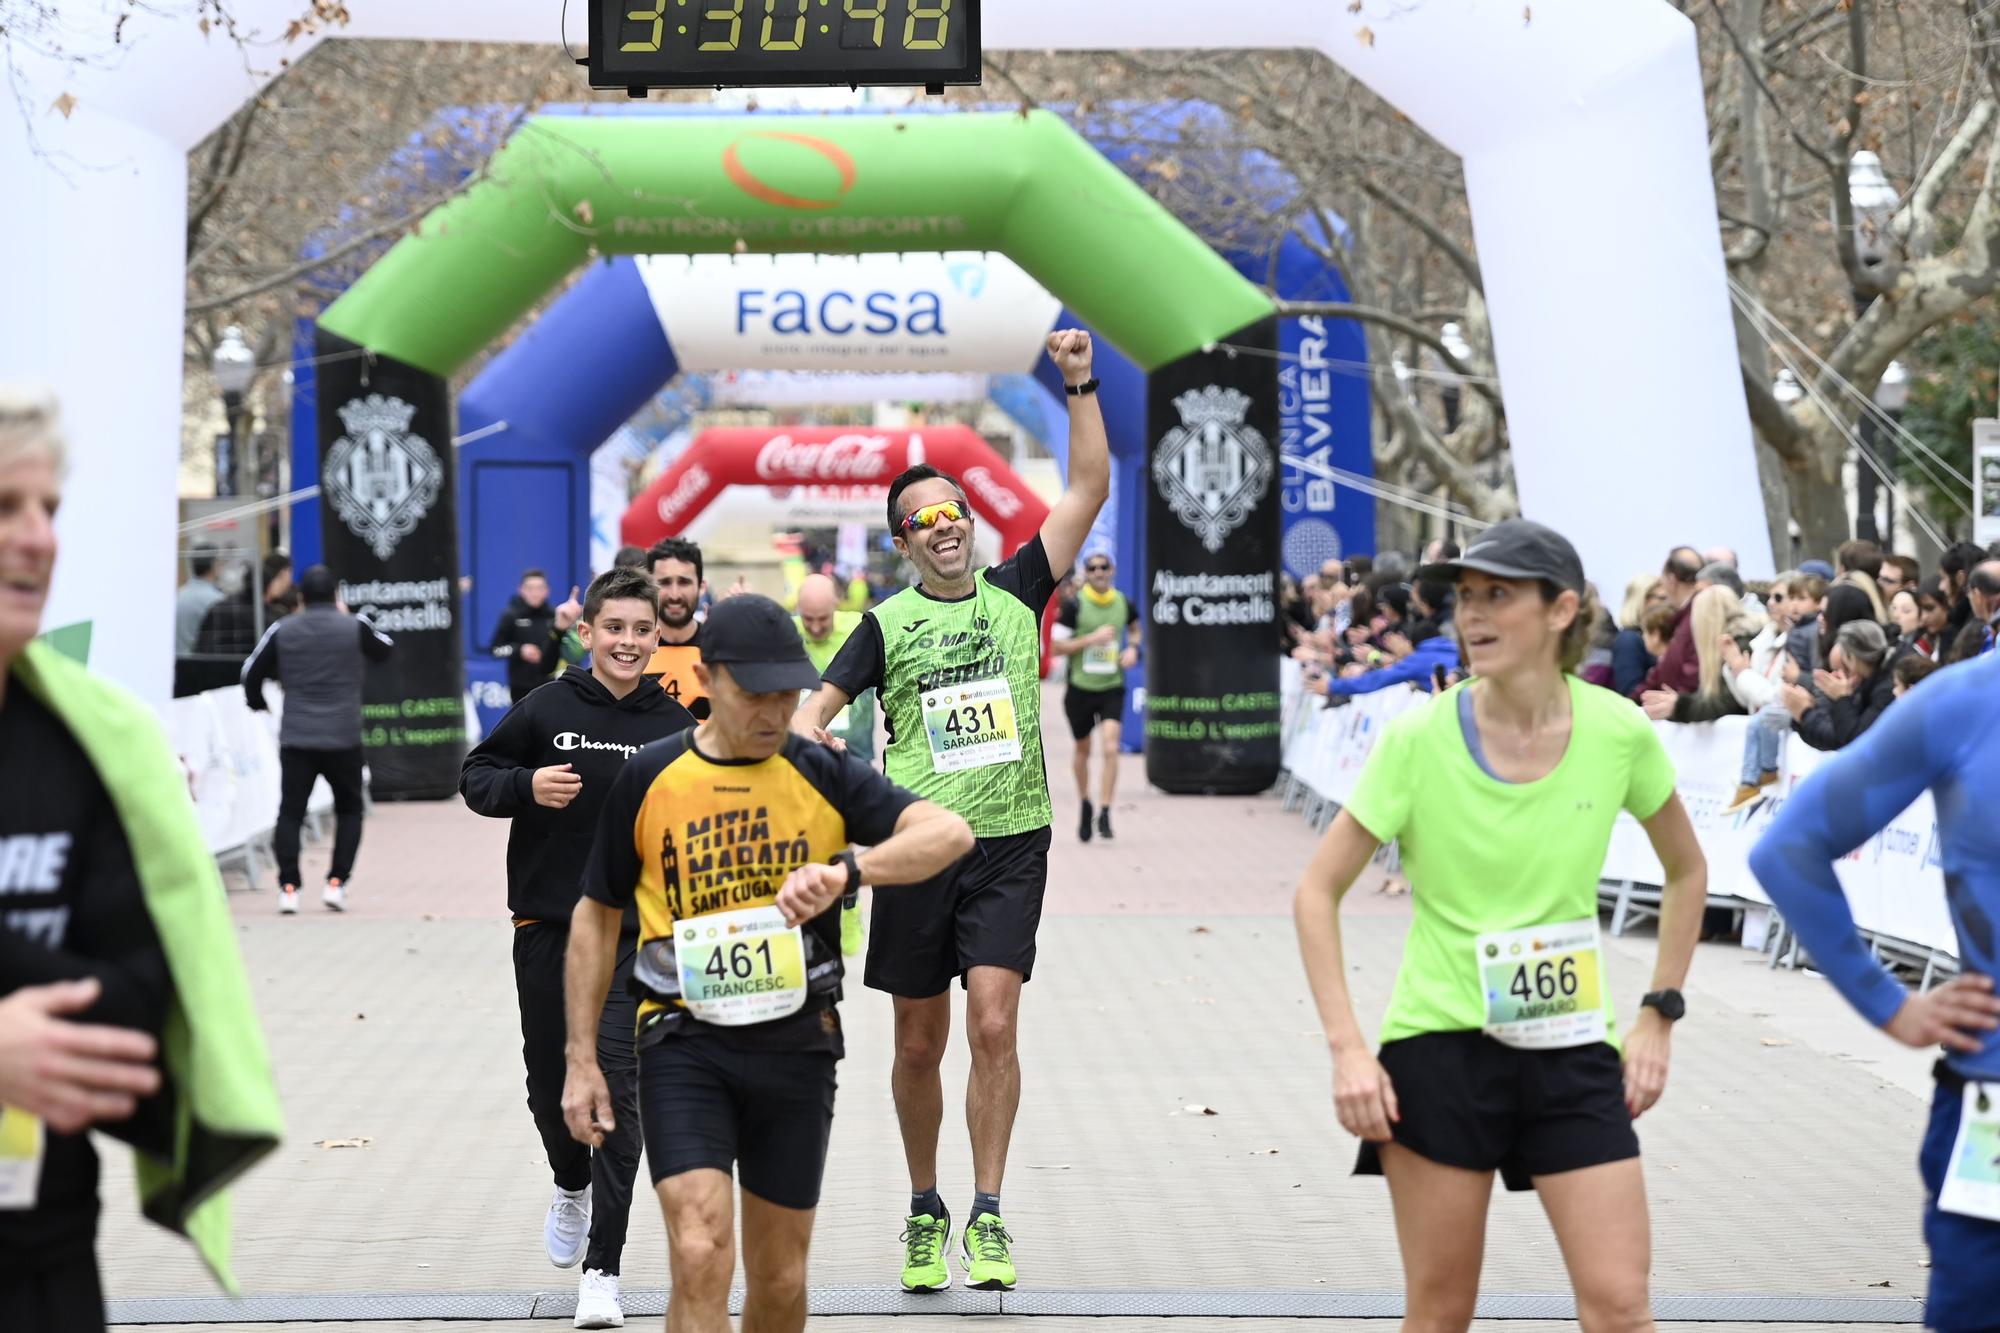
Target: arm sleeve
[(1381, 797), (858, 666), (1650, 778), (502, 643), (1027, 575), (262, 666), (498, 776), (375, 645), (1416, 667), (1848, 801), (611, 876), (870, 803)]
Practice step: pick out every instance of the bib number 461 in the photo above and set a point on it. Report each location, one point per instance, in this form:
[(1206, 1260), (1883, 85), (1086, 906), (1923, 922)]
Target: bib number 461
[(740, 960), (1548, 981)]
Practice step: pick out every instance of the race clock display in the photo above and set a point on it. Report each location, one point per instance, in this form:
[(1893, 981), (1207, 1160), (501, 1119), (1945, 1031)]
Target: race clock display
[(641, 44)]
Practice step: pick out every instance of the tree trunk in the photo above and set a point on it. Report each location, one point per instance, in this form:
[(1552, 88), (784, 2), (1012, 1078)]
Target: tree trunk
[(1776, 481), (1819, 504)]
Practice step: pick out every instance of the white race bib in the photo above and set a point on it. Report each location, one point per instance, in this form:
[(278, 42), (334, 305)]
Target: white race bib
[(1100, 659), (741, 967), (1543, 985), (21, 1147), (971, 726), (1972, 1176)]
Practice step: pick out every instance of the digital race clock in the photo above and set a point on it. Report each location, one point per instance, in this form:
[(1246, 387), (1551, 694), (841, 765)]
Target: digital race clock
[(640, 44)]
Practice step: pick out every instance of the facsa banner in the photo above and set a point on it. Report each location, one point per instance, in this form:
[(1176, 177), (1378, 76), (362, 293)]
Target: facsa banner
[(787, 457), (802, 388), (958, 310)]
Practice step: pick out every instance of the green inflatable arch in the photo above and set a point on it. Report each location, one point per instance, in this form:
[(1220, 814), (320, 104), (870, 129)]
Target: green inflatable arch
[(564, 189)]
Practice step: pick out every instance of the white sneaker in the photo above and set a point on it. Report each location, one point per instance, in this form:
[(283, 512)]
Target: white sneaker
[(335, 896), (566, 1230), (288, 901), (597, 1301)]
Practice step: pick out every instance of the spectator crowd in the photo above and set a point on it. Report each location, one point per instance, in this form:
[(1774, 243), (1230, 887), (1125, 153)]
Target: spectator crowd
[(1818, 653)]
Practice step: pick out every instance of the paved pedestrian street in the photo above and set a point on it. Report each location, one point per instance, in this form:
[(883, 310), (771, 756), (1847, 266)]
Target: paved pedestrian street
[(1176, 1145)]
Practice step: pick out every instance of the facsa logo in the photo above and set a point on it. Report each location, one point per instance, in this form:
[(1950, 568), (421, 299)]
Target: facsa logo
[(789, 312)]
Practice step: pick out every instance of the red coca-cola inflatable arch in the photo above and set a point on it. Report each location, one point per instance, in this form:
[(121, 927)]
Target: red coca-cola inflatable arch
[(831, 456)]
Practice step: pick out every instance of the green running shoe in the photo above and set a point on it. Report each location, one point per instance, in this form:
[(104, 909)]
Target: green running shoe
[(852, 932), (924, 1240), (989, 1264)]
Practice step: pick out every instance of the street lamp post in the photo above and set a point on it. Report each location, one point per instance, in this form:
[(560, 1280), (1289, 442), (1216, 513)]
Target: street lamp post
[(1454, 342), (1892, 392), (1874, 203), (235, 367)]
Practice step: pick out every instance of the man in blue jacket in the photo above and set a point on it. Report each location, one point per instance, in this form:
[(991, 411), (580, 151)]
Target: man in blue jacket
[(1431, 645), (1943, 735)]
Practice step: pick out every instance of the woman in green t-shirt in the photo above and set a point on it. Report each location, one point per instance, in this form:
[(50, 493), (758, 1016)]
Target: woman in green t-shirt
[(1500, 1050)]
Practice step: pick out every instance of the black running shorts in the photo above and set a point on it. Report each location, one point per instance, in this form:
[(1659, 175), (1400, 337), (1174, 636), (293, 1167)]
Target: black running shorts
[(982, 912), (765, 1114), (1469, 1101), (1086, 708)]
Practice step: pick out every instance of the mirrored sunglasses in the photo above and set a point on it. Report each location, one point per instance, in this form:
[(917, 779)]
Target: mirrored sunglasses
[(931, 515)]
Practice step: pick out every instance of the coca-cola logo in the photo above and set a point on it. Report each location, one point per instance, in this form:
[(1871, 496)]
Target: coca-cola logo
[(1000, 499), (675, 502), (847, 458)]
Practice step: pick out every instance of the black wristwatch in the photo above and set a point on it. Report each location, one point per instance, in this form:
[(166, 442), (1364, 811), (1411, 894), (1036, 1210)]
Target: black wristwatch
[(1079, 390), (1668, 1002), (850, 894)]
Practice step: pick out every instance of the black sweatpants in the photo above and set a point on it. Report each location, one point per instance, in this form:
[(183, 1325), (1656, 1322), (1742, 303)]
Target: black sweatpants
[(296, 770), (539, 947), (60, 1293)]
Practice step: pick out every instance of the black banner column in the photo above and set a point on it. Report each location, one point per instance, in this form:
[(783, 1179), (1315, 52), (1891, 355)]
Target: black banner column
[(1212, 557), (388, 514)]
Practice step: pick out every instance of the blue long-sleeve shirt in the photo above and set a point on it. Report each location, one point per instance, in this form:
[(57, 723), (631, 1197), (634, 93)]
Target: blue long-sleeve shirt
[(1944, 735), (1629, 661), (1440, 650)]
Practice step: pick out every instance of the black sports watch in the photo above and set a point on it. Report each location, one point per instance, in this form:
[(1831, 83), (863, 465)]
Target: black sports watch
[(1079, 390), (849, 894), (1668, 1002)]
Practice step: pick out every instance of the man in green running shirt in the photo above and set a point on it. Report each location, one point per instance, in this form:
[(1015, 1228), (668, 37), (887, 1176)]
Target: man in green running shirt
[(1098, 631), (957, 662)]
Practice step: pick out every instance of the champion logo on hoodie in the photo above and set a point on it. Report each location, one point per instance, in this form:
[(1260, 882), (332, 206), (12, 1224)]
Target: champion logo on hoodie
[(576, 740)]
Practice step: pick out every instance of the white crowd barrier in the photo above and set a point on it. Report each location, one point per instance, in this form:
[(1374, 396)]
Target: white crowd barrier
[(1893, 881), (231, 755)]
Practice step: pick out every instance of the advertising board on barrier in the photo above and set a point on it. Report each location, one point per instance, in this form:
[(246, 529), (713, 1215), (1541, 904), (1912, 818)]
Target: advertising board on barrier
[(962, 310), (1893, 882), (1986, 481)]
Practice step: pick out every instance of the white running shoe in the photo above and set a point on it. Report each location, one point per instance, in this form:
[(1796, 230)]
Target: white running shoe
[(288, 901), (566, 1230), (335, 896), (597, 1301)]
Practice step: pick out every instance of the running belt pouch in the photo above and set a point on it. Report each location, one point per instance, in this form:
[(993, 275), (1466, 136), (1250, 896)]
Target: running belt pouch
[(823, 974)]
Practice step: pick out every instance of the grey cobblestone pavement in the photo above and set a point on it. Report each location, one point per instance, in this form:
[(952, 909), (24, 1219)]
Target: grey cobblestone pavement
[(1782, 1160)]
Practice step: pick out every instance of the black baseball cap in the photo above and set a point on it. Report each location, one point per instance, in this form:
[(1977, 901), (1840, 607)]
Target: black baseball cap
[(752, 636), (1516, 549)]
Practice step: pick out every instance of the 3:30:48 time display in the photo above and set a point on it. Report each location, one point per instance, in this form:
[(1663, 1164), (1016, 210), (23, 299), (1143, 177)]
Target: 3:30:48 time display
[(787, 25)]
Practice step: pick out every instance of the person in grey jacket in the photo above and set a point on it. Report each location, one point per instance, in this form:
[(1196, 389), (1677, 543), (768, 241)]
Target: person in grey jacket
[(320, 657)]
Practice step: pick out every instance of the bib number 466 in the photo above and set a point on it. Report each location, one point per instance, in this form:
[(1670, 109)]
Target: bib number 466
[(1547, 982)]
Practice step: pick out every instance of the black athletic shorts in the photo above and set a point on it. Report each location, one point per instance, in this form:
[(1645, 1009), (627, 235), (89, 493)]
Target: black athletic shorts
[(766, 1115), (1086, 708), (982, 912), (1469, 1101)]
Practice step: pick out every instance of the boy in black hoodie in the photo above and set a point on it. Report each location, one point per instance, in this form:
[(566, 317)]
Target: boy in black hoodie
[(547, 765)]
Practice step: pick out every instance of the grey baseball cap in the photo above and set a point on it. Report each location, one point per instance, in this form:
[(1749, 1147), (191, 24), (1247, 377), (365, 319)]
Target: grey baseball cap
[(1517, 549)]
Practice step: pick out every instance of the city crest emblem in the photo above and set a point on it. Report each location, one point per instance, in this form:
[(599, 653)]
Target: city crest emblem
[(381, 477), (1212, 468)]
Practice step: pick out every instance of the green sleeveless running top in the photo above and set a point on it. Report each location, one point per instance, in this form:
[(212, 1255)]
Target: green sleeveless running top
[(1096, 668), (961, 690)]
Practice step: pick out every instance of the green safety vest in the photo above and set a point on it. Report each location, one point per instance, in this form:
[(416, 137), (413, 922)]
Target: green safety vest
[(855, 723), (931, 651), (1097, 668)]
